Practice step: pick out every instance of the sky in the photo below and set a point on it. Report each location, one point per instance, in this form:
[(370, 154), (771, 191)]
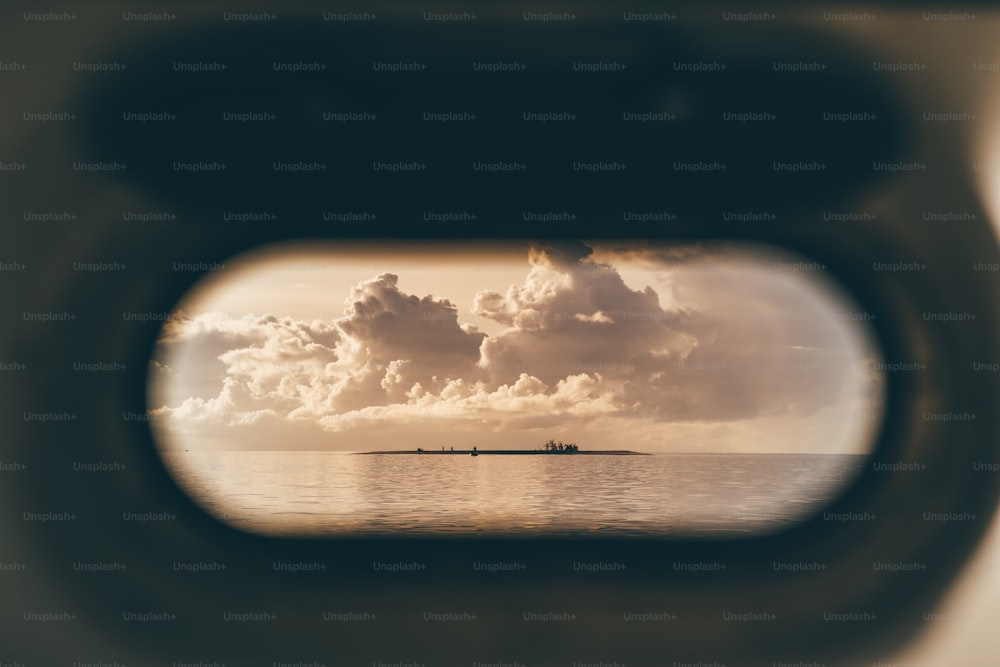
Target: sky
[(611, 345)]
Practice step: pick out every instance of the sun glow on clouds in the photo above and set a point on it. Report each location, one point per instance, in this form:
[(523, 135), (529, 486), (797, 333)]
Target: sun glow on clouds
[(735, 356)]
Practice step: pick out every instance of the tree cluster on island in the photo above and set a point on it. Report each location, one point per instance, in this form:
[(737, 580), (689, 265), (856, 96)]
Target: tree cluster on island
[(553, 446)]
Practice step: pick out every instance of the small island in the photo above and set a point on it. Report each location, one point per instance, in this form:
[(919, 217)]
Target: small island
[(551, 448)]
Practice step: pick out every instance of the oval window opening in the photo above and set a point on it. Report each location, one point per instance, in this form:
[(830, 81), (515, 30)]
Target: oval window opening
[(549, 388)]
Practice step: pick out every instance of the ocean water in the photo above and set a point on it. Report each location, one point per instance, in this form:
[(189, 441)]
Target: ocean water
[(327, 493)]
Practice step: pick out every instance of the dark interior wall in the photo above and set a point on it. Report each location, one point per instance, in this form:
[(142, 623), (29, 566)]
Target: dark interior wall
[(54, 214)]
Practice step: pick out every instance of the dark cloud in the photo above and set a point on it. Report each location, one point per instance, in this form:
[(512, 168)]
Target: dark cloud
[(561, 253)]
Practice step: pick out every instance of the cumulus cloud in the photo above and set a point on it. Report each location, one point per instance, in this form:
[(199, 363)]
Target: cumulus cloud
[(392, 323), (571, 315), (387, 347), (578, 347)]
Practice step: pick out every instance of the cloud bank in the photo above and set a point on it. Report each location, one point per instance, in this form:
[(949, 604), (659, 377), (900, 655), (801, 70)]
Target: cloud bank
[(581, 354)]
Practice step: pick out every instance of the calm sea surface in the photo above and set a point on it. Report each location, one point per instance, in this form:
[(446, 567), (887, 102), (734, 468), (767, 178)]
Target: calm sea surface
[(300, 493)]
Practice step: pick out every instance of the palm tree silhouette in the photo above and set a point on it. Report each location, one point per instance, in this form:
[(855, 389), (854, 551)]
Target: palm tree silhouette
[(554, 447)]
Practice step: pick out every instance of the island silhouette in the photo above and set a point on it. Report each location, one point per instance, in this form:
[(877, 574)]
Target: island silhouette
[(550, 448)]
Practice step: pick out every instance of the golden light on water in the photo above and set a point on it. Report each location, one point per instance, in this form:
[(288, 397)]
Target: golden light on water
[(614, 345)]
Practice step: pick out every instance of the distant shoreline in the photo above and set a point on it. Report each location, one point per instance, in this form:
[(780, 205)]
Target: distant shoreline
[(540, 452)]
